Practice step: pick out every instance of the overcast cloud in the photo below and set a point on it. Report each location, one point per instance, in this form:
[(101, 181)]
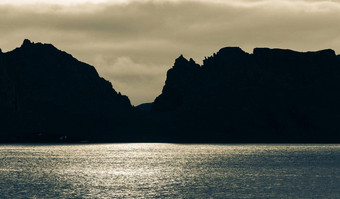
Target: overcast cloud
[(134, 43)]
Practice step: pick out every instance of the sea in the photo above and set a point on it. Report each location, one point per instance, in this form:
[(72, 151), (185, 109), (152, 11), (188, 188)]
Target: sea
[(158, 170)]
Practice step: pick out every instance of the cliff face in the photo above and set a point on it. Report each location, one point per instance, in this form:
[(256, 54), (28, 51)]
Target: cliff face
[(46, 92), (269, 95), (181, 78)]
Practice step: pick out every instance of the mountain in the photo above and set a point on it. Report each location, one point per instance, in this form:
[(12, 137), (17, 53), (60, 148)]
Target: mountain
[(46, 94), (271, 95)]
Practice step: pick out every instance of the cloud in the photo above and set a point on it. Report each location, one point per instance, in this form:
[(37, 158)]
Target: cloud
[(133, 43)]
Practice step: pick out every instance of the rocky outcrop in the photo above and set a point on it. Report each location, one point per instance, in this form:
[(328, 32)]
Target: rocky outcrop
[(271, 95), (181, 78), (46, 93)]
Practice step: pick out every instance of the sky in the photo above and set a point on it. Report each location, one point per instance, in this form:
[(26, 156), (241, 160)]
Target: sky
[(132, 43)]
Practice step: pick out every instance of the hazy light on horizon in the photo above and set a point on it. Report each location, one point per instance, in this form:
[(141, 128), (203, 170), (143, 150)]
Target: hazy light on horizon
[(132, 43)]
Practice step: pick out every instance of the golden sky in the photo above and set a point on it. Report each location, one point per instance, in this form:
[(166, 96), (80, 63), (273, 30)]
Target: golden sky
[(133, 43)]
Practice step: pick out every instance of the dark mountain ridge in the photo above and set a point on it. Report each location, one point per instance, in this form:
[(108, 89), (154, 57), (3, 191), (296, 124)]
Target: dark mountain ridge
[(47, 94), (271, 95)]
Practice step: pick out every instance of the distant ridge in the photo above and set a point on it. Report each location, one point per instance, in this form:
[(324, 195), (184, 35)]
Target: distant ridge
[(46, 94), (270, 95)]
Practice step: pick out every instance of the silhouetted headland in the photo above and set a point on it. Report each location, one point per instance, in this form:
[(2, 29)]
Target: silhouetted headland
[(271, 95), (47, 95)]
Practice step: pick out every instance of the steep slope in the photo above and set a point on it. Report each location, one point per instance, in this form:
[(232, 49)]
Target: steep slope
[(145, 107), (272, 95), (47, 94)]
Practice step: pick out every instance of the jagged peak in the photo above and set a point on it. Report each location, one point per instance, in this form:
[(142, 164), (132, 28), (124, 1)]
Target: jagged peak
[(180, 59), (191, 60), (181, 63), (26, 42), (28, 46)]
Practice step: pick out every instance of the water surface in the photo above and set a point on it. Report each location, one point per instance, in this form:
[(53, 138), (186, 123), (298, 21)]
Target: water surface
[(169, 170)]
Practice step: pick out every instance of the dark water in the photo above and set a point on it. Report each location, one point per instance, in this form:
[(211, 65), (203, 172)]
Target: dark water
[(169, 170)]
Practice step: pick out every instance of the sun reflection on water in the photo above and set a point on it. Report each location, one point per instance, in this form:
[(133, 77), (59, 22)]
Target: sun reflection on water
[(143, 170)]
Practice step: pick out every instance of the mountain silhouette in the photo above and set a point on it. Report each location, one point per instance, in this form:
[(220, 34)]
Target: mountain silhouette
[(270, 95), (46, 94)]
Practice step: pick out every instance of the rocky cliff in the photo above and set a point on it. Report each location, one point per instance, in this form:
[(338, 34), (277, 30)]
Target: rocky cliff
[(47, 94), (271, 95)]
